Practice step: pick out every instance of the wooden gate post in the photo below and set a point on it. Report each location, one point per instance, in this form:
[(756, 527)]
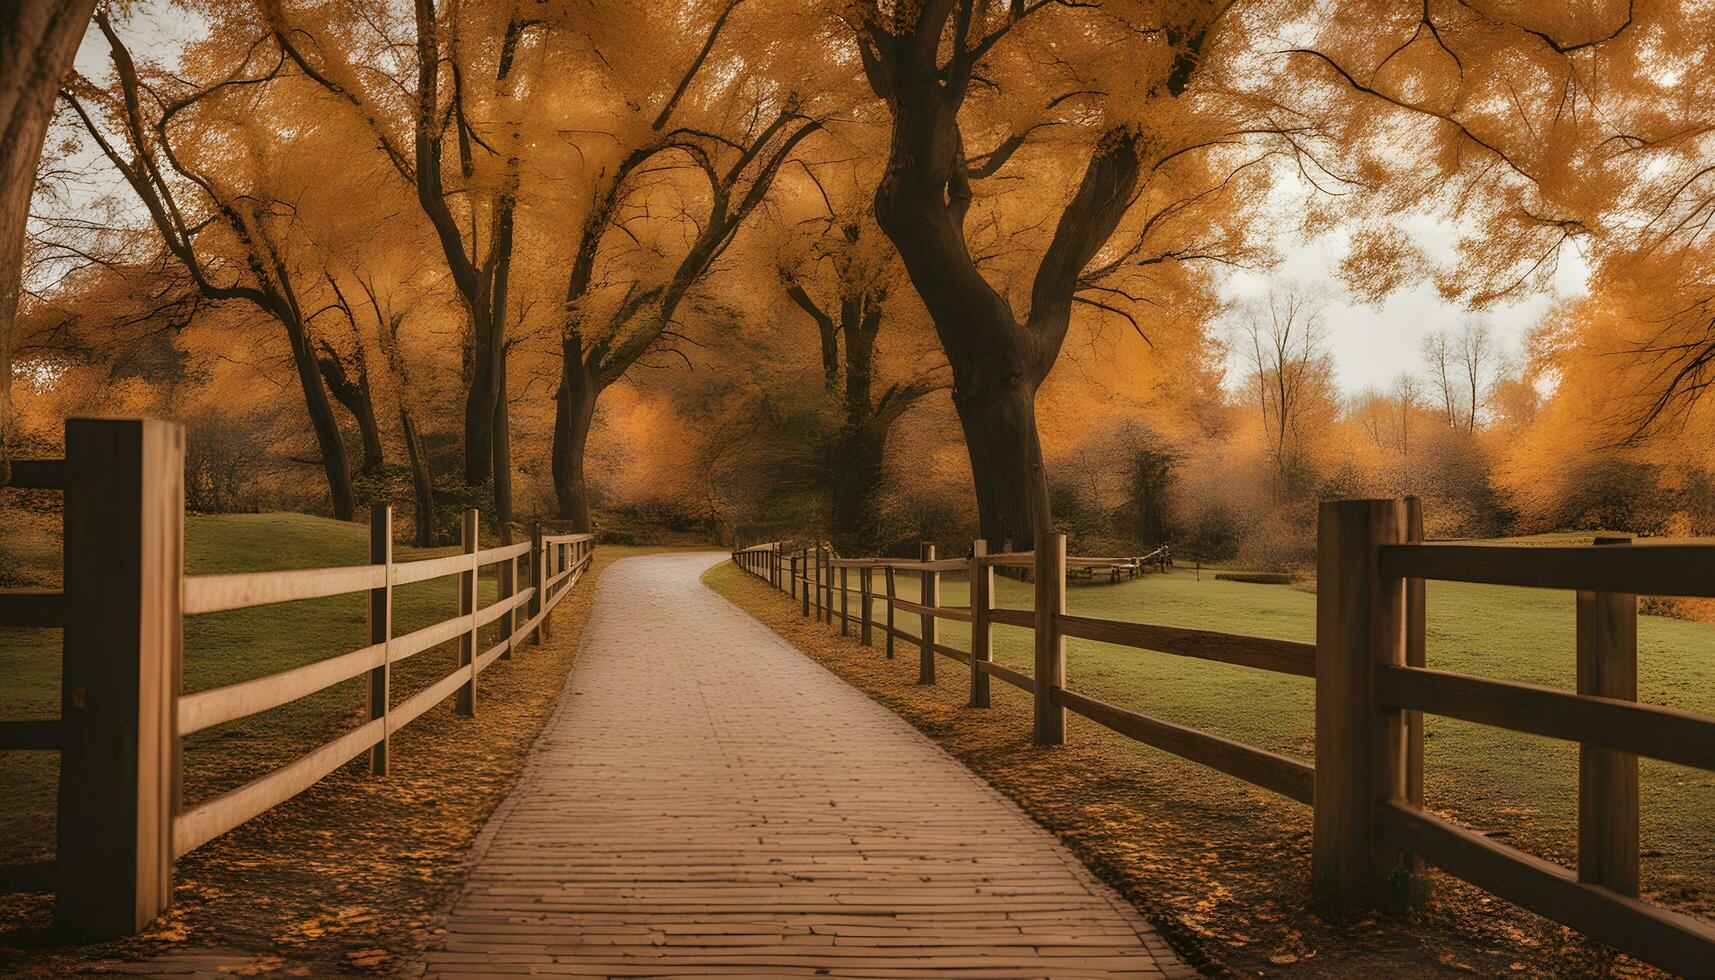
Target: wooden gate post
[(982, 633), (124, 574), (1361, 747), (1608, 780), (845, 603), (538, 557), (774, 566), (1050, 727), (466, 702), (379, 690), (928, 594)]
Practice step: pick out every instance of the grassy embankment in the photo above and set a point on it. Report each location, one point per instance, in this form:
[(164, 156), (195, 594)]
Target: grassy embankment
[(1224, 864), (348, 872)]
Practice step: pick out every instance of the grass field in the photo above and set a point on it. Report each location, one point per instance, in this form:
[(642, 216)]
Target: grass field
[(1516, 787), (222, 648)]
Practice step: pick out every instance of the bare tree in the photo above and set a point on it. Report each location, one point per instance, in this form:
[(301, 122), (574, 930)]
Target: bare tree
[(1439, 358), (1284, 338), (1478, 361), (1461, 369), (1407, 393)]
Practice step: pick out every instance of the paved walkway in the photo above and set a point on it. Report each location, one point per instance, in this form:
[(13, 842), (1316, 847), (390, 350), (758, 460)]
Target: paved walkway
[(707, 800)]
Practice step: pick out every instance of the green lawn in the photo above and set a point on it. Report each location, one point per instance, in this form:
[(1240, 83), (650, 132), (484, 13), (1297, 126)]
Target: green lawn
[(1516, 787), (222, 648)]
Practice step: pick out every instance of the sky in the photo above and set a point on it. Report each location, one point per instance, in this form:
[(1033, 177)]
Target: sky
[(1372, 346)]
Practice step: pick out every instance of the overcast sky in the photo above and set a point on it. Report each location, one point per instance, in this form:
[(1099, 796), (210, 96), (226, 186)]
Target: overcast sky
[(1372, 346)]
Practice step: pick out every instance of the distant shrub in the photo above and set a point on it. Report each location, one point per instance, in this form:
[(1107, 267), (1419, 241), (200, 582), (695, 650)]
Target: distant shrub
[(1256, 578)]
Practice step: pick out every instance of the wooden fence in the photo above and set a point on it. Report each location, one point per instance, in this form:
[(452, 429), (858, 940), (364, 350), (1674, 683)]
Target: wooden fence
[(122, 609), (1369, 828)]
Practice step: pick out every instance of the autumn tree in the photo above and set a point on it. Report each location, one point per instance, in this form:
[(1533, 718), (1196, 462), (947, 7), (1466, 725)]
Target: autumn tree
[(842, 273), (221, 219), (731, 119), (459, 95), (1120, 96), (38, 39)]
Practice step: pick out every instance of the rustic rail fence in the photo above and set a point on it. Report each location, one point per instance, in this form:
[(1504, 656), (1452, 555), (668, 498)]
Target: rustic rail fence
[(122, 610), (1369, 827)]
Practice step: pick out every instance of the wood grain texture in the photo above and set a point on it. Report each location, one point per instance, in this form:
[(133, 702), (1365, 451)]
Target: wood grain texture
[(1288, 777), (1607, 780), (1281, 656), (708, 800), (1361, 751), (1641, 569), (1674, 942), (1645, 729)]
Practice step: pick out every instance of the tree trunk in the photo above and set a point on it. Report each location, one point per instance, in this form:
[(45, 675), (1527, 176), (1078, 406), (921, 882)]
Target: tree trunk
[(356, 398), (502, 456), (997, 410), (322, 421), (573, 416), (479, 410), (422, 484), (38, 39), (855, 477)]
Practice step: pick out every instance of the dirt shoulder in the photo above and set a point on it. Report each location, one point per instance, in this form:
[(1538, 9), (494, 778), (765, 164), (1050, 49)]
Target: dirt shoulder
[(347, 877), (1220, 867)]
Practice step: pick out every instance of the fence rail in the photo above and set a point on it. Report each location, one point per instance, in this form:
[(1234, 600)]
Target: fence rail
[(121, 825), (1372, 688)]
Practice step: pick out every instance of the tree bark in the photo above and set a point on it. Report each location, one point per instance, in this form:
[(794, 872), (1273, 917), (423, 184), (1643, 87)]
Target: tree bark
[(502, 454), (999, 359), (38, 39), (355, 396), (422, 484), (573, 416), (997, 411), (335, 464)]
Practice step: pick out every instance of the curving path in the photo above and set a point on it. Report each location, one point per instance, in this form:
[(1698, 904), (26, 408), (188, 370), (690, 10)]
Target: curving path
[(708, 800)]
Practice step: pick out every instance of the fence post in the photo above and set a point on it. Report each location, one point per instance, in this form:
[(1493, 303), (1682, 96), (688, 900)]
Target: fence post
[(1416, 655), (818, 583), (890, 594), (928, 594), (381, 630), (774, 566), (506, 585), (845, 603), (1050, 728), (982, 584), (866, 584), (536, 576), (827, 586), (466, 703), (1361, 750), (550, 568), (124, 571), (1608, 780), (804, 582)]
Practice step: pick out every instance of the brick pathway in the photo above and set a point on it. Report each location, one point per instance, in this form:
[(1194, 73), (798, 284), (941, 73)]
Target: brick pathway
[(707, 800)]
